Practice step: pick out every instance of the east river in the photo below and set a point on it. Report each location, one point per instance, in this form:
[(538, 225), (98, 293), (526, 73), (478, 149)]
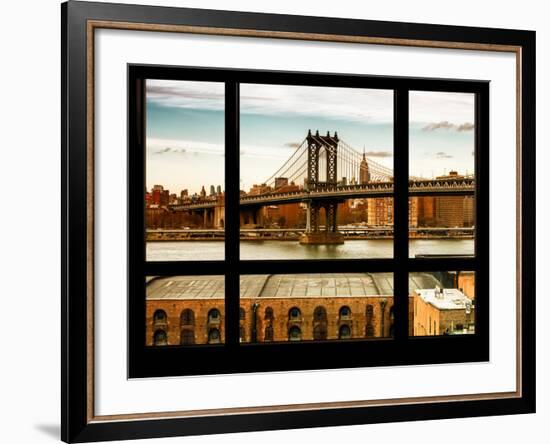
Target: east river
[(269, 249)]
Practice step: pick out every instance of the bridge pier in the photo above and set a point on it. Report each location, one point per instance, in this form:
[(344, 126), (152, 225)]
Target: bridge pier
[(251, 216), (313, 234), (219, 215)]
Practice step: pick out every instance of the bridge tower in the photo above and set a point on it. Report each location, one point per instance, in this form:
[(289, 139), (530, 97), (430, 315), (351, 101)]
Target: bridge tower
[(313, 234)]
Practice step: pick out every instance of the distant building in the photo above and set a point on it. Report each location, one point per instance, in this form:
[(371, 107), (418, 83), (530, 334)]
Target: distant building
[(449, 211), (203, 193), (452, 175), (446, 211), (212, 190), (156, 197), (159, 196), (426, 211), (469, 211), (413, 212), (280, 182), (287, 215), (219, 190), (364, 173), (259, 189), (380, 211)]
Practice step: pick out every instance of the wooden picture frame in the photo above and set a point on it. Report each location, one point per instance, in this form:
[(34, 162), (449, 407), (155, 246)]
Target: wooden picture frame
[(80, 423)]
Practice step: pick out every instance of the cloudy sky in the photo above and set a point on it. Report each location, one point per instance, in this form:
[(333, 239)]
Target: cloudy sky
[(185, 129)]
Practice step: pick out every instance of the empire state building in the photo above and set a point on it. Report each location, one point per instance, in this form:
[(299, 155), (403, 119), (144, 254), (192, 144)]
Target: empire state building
[(364, 173)]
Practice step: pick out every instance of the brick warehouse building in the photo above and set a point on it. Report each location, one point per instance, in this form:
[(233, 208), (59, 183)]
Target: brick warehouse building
[(442, 311), (190, 309)]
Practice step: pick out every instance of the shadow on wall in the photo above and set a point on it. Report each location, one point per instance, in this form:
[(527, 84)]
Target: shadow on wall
[(51, 430)]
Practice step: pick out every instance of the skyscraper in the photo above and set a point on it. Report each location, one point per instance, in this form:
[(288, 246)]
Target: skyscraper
[(364, 173)]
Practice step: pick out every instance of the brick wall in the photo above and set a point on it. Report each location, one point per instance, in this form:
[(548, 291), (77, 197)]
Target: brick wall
[(280, 323)]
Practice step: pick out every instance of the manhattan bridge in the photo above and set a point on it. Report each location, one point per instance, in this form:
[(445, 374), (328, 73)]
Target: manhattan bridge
[(328, 171)]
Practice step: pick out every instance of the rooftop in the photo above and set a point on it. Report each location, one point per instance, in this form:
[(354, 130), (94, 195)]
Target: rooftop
[(444, 299), (326, 285)]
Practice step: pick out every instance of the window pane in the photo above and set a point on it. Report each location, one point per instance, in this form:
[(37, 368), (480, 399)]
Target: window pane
[(442, 171), (319, 307), (184, 196), (185, 310), (443, 303), (316, 172)]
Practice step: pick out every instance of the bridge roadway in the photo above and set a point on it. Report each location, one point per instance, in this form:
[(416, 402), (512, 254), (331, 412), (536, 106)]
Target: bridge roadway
[(440, 187)]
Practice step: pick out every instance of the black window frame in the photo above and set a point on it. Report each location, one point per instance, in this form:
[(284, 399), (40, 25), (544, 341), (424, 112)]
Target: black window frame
[(233, 356)]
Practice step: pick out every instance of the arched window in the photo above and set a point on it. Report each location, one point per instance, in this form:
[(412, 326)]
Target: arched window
[(294, 314), (214, 336), (370, 331), (241, 334), (268, 313), (320, 332), (345, 312), (344, 332), (159, 318), (214, 316), (392, 316), (242, 314), (187, 337), (187, 317), (160, 338), (319, 314), (294, 334), (370, 311), (369, 328), (268, 333)]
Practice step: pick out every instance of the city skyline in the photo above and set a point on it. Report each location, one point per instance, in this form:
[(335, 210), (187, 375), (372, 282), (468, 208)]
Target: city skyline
[(185, 129)]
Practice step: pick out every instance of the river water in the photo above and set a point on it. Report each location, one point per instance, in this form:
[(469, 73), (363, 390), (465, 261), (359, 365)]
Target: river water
[(351, 249)]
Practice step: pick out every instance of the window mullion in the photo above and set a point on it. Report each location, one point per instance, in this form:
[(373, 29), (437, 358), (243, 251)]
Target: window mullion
[(401, 209), (232, 213)]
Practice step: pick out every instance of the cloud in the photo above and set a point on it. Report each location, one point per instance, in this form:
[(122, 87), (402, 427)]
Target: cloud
[(356, 104), (186, 94), (438, 125), (446, 125), (465, 127), (292, 145), (379, 154), (170, 150), (443, 155), (192, 147)]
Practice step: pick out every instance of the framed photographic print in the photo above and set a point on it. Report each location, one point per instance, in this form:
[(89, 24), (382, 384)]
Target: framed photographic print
[(283, 221)]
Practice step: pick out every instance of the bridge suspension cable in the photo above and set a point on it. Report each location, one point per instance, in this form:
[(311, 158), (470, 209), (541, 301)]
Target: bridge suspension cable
[(378, 172), (295, 168), (293, 163)]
